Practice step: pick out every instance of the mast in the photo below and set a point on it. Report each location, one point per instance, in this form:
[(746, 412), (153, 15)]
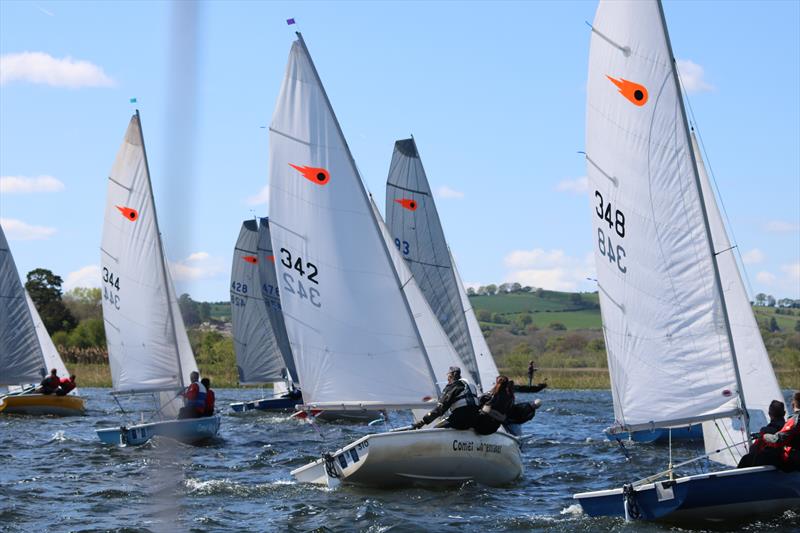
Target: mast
[(745, 415), (369, 202), (161, 248)]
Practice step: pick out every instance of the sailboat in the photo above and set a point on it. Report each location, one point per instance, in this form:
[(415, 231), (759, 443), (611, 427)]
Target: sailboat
[(413, 220), (683, 345), (27, 354), (148, 348), (262, 349), (362, 334)]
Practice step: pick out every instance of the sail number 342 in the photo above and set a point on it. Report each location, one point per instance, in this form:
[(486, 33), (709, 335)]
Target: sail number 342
[(306, 270), (616, 221)]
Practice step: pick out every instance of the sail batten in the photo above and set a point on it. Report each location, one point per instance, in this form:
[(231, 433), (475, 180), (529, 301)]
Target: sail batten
[(348, 324), (666, 332)]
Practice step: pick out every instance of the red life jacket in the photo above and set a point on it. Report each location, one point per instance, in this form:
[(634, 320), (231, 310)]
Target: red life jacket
[(67, 385), (196, 397), (51, 382), (793, 429), (210, 399)]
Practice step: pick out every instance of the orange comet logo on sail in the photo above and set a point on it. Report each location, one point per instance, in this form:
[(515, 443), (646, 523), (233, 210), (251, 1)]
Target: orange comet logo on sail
[(408, 203), (127, 212), (635, 93), (250, 259), (320, 176)]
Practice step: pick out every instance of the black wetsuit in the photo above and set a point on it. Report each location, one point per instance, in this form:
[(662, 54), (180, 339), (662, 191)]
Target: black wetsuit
[(493, 412), (760, 455), (460, 400)]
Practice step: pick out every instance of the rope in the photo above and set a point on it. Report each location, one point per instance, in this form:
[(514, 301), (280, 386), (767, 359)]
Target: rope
[(330, 466), (632, 510)]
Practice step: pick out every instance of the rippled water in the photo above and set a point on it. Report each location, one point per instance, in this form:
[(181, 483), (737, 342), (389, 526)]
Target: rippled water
[(56, 471)]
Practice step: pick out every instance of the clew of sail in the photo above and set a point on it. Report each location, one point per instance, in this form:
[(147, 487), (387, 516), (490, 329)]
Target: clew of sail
[(257, 355), (147, 343), (271, 295), (758, 378), (664, 321), (483, 356), (21, 357), (418, 236), (350, 330)]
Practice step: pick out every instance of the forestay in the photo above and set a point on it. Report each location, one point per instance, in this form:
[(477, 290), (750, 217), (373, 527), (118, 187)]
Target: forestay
[(758, 378), (349, 326), (271, 296), (413, 221), (21, 358), (486, 365), (147, 343), (669, 355), (257, 355)]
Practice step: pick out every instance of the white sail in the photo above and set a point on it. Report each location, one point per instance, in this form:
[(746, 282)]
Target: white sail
[(669, 354), (349, 326), (147, 344), (51, 357), (21, 358), (257, 355), (440, 351), (486, 365), (414, 223), (758, 378)]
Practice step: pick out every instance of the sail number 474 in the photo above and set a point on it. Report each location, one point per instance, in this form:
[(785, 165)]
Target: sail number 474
[(614, 253)]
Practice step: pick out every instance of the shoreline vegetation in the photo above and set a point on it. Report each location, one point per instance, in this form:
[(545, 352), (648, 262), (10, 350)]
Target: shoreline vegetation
[(559, 331)]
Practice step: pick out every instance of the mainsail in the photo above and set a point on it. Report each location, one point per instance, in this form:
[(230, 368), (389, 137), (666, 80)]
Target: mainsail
[(271, 296), (759, 384), (21, 357), (669, 351), (349, 325), (257, 355), (147, 343), (417, 232)]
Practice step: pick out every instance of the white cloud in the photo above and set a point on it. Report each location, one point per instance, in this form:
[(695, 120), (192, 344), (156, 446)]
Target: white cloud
[(549, 269), (692, 76), (24, 184), (753, 256), (781, 226), (199, 265), (792, 271), (576, 186), (17, 230), (765, 277), (446, 192), (42, 68), (260, 198), (45, 11), (88, 276)]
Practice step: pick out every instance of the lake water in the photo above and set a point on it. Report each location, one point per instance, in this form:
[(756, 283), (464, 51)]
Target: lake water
[(56, 475)]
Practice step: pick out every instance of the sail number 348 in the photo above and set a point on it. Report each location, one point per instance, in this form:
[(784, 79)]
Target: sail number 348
[(616, 221)]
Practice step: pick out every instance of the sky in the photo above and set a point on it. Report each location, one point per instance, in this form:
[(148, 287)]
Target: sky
[(493, 92)]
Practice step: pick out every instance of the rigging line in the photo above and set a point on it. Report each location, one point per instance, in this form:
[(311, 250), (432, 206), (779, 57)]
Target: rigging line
[(407, 189), (726, 249), (707, 162)]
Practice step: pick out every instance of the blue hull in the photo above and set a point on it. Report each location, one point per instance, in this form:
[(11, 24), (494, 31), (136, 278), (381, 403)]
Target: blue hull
[(267, 404), (735, 495), (661, 435), (190, 431)]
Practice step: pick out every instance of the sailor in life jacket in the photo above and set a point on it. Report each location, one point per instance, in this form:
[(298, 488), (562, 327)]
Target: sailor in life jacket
[(788, 438), (762, 453), (194, 398), (458, 397)]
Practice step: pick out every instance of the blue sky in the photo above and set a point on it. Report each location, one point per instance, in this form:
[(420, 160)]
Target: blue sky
[(493, 92)]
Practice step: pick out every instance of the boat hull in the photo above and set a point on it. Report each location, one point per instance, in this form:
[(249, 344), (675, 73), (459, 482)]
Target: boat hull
[(661, 435), (428, 457), (43, 404), (265, 404), (189, 430), (731, 495)]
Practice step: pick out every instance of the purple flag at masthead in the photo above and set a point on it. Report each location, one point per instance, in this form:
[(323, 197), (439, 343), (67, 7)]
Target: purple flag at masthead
[(289, 21)]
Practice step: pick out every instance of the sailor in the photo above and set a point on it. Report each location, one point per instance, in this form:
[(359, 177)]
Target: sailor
[(531, 370), (210, 397), (51, 383), (66, 386), (788, 438), (494, 406), (760, 453), (194, 398), (458, 397)]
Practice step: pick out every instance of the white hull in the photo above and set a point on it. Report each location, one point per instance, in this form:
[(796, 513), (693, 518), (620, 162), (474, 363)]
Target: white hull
[(431, 457)]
